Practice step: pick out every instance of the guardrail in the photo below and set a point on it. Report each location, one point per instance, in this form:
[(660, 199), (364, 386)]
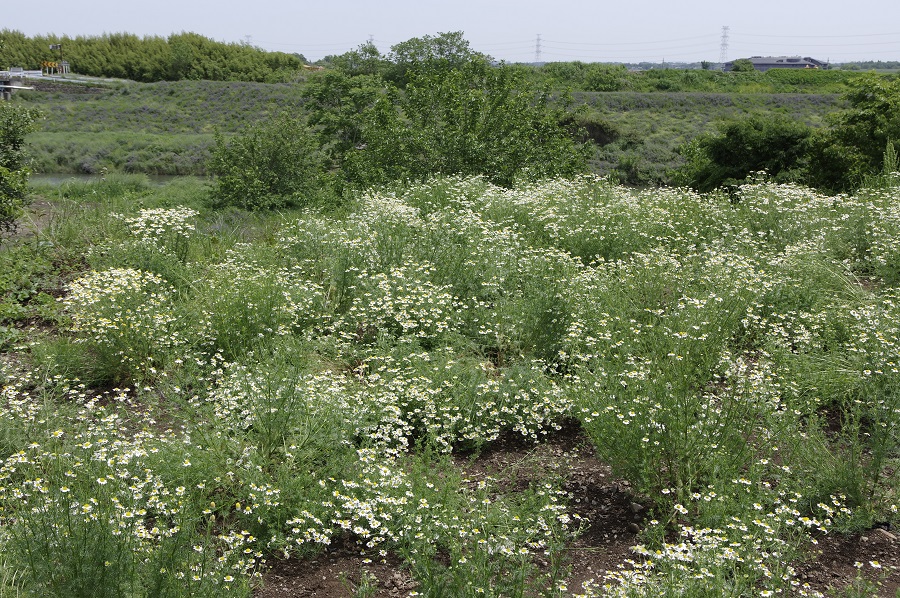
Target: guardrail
[(7, 75)]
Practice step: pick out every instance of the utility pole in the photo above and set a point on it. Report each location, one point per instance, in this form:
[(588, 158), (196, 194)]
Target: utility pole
[(537, 49), (723, 52)]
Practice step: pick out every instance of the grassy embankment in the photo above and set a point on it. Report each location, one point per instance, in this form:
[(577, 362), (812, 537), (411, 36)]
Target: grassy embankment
[(153, 128), (167, 128)]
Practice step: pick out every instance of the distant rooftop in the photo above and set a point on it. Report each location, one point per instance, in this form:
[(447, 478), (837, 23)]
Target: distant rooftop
[(764, 63)]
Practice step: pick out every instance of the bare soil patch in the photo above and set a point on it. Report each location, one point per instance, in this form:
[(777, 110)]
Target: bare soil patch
[(337, 573), (838, 559), (36, 218), (610, 514), (611, 520), (612, 517)]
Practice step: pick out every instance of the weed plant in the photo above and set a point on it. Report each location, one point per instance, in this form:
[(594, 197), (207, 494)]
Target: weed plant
[(215, 391)]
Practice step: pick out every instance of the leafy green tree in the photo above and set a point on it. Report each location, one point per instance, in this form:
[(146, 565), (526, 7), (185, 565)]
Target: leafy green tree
[(273, 164), (854, 147), (776, 144), (15, 123), (742, 65), (473, 119), (365, 60), (442, 53), (336, 102), (606, 77), (872, 118)]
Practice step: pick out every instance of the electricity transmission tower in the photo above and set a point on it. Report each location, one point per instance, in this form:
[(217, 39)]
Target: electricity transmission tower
[(723, 53), (537, 49)]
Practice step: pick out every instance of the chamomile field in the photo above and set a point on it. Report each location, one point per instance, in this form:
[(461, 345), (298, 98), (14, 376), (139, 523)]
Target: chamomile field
[(566, 388)]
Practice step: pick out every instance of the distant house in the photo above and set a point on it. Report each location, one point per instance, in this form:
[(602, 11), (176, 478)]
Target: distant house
[(764, 63)]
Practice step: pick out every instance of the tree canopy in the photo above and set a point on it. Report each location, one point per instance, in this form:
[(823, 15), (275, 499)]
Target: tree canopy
[(152, 58)]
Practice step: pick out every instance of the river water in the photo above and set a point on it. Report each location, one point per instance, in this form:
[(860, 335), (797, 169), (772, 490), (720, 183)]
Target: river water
[(60, 179)]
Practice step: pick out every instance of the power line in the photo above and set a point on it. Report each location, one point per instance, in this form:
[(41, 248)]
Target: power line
[(781, 45), (295, 45), (516, 43), (628, 50), (641, 43), (817, 36), (629, 57)]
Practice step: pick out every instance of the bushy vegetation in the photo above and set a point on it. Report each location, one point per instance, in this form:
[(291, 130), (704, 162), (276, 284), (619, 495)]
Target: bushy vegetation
[(450, 112), (168, 128), (214, 391), (270, 165), (601, 77), (151, 58), (836, 158), (191, 394), (760, 143), (855, 144), (15, 123), (434, 105), (469, 119)]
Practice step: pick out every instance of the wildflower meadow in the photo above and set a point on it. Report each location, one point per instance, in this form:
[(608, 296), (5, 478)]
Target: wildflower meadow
[(192, 396)]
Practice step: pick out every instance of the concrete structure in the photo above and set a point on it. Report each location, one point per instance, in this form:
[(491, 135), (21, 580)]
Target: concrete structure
[(13, 79), (764, 63)]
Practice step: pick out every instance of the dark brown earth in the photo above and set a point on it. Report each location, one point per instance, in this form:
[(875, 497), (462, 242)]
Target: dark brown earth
[(613, 518), (835, 559), (610, 514), (342, 571)]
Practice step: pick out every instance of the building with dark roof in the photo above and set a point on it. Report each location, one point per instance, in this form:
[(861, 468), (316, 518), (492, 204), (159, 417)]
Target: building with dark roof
[(764, 63)]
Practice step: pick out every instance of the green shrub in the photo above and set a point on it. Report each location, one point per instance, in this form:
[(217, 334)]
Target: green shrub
[(854, 147), (15, 123), (742, 65), (273, 164), (776, 144), (473, 119)]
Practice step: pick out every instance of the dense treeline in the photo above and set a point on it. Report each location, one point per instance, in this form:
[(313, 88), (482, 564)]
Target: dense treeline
[(857, 144), (594, 76), (152, 58), (867, 65), (604, 77), (192, 56)]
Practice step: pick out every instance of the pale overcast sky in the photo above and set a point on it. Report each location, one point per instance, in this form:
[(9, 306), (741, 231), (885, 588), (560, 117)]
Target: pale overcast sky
[(642, 30)]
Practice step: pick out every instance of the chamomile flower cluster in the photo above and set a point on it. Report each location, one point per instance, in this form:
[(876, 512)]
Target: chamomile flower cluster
[(166, 230), (749, 554), (126, 313), (156, 224), (400, 302), (89, 501), (244, 300)]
